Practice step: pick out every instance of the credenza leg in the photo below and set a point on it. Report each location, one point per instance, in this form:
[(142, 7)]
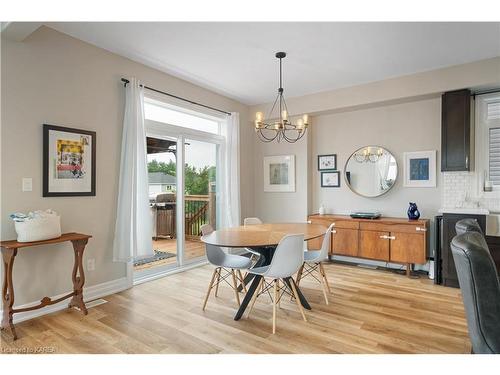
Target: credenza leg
[(8, 256), (78, 276), (408, 269)]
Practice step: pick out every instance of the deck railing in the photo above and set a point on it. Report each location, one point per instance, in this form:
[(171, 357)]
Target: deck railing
[(200, 209)]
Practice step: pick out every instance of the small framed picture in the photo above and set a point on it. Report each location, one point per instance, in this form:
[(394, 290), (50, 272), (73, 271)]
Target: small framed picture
[(420, 169), (279, 173), (326, 162), (330, 179), (69, 161)]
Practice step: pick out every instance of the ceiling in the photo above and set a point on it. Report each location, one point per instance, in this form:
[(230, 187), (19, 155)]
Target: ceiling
[(237, 59)]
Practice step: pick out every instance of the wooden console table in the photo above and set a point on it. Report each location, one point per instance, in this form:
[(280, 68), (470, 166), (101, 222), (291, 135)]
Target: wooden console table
[(9, 252), (387, 239)]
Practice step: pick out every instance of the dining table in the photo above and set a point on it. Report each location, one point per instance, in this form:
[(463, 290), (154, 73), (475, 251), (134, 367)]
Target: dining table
[(262, 239)]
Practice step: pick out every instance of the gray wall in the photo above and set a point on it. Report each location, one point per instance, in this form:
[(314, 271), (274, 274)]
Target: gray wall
[(55, 79)]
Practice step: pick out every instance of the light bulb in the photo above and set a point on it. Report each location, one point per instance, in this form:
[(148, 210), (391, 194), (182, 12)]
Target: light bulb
[(259, 116), (300, 124), (284, 115), (305, 118)]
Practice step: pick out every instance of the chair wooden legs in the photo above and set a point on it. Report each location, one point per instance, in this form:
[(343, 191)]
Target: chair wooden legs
[(275, 302), (218, 281), (216, 271), (322, 281), (276, 299), (242, 280), (235, 284), (254, 297), (301, 309), (217, 278), (324, 276), (299, 274)]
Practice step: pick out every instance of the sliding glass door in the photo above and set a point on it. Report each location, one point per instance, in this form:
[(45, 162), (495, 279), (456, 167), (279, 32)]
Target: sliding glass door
[(184, 180), (200, 200)]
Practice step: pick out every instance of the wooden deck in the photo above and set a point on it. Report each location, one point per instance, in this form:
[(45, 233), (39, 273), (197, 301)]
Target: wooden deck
[(193, 249), (370, 311)]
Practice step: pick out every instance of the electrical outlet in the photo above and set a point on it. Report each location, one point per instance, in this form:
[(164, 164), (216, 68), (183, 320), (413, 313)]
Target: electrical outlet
[(91, 264)]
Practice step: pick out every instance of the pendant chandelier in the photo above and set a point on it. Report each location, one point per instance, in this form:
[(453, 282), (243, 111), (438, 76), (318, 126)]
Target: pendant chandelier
[(368, 155), (282, 125)]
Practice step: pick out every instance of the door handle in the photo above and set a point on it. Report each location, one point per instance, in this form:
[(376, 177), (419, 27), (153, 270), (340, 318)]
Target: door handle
[(419, 229)]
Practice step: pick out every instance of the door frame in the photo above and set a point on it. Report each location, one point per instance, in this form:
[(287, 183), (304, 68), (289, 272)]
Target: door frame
[(180, 134)]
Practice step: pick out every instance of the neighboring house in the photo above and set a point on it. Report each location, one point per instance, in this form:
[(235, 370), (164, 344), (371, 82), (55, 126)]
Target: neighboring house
[(160, 182)]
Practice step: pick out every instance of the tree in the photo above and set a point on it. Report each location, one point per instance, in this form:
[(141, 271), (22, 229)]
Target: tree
[(196, 180)]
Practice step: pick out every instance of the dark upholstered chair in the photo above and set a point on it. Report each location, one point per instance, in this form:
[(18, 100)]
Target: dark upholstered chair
[(467, 225), (480, 289)]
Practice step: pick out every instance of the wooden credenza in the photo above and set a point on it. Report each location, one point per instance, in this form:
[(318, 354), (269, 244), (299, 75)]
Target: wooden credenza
[(394, 240)]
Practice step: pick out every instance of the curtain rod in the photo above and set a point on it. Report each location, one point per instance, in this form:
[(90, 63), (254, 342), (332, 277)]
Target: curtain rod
[(125, 81), (478, 93)]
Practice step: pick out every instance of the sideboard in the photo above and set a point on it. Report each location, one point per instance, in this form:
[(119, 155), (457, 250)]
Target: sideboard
[(387, 239)]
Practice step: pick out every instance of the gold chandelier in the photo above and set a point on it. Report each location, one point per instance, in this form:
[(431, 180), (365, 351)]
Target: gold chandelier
[(368, 155), (283, 126)]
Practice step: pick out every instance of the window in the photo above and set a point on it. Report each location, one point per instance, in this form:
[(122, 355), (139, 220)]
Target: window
[(488, 140), (160, 112)]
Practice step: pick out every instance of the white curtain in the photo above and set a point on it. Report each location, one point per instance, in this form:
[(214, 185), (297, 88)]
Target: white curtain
[(133, 228), (230, 207)]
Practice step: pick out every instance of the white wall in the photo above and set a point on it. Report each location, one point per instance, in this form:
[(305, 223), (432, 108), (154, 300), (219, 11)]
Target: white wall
[(282, 207), (55, 79), (399, 128)]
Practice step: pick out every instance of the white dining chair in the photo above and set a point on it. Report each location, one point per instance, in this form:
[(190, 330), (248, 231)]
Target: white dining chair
[(313, 263), (225, 265), (287, 259), (252, 221)]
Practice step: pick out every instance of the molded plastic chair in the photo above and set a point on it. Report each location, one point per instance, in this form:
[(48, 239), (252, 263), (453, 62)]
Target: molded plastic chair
[(252, 221), (287, 259), (312, 263), (229, 263)]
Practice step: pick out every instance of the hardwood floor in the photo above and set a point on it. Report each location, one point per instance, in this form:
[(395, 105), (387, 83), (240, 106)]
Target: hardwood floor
[(370, 311)]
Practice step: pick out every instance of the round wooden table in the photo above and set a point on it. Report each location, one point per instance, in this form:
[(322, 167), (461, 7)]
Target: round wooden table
[(262, 238)]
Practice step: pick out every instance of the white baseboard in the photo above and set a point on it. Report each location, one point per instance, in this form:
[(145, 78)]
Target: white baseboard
[(89, 293)]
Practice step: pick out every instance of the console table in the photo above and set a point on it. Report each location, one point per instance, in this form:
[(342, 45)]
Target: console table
[(9, 252), (395, 240)]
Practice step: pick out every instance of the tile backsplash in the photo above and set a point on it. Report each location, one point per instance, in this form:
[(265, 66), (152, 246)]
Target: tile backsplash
[(461, 190)]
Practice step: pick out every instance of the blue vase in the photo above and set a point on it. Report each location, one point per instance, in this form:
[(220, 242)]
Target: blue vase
[(413, 212)]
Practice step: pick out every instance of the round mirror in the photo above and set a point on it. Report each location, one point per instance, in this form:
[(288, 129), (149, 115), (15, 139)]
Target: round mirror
[(371, 171)]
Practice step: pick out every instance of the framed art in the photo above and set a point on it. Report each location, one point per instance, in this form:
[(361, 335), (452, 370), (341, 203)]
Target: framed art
[(326, 162), (69, 162), (420, 169), (279, 173), (330, 179)]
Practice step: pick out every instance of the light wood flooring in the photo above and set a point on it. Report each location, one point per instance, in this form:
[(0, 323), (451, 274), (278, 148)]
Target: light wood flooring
[(193, 249), (370, 311)]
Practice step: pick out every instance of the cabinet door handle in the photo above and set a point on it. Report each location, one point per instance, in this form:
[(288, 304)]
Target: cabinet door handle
[(391, 237), (384, 237), (419, 229), (334, 231), (466, 161)]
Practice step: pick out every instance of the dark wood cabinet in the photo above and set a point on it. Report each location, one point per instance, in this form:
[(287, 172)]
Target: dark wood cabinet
[(456, 131), (449, 272)]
